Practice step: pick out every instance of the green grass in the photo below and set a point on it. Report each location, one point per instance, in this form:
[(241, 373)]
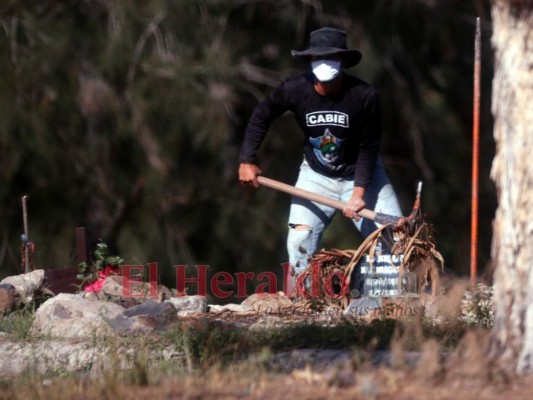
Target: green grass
[(217, 344), (17, 324)]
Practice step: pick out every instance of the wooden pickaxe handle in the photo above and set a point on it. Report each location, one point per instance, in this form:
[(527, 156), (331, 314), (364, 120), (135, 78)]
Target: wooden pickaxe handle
[(337, 204)]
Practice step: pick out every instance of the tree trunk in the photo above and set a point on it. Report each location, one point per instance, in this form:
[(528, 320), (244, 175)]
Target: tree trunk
[(512, 172)]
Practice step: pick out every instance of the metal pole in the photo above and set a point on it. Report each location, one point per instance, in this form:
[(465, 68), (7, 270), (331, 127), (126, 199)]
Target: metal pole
[(475, 156), (25, 221)]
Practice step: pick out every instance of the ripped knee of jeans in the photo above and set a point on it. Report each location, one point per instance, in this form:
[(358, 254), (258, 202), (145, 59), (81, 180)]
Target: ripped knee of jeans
[(299, 243), (300, 227)]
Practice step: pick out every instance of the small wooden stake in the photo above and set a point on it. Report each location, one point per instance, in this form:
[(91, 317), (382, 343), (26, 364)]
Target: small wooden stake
[(82, 244)]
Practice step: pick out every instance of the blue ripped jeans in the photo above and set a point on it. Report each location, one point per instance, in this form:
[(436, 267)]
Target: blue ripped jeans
[(314, 217)]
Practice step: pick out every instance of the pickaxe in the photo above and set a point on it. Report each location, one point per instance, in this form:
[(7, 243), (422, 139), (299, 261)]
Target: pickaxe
[(377, 217)]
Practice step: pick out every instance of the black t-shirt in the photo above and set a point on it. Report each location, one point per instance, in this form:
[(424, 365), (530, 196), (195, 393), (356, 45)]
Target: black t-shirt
[(342, 131)]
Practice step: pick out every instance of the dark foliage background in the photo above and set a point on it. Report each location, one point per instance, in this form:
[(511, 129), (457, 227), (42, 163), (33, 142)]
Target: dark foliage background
[(127, 116)]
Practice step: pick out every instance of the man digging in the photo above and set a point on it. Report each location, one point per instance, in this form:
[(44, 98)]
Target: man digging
[(340, 118)]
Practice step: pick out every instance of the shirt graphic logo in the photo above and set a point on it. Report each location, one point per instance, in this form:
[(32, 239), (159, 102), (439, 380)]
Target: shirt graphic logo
[(327, 118), (327, 149)]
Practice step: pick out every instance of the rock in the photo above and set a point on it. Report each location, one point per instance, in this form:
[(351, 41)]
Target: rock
[(9, 298), (363, 306), (46, 357), (268, 321), (238, 308), (267, 303), (186, 305), (113, 287), (92, 359), (317, 359), (72, 316), (26, 284), (395, 307), (91, 296), (144, 318)]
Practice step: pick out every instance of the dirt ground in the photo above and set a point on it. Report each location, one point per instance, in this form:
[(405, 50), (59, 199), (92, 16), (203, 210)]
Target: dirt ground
[(382, 384), (463, 372)]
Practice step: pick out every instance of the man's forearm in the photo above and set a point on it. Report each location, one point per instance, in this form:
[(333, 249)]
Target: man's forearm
[(358, 191), (366, 163)]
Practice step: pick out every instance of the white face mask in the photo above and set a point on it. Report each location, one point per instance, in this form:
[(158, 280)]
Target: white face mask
[(326, 70)]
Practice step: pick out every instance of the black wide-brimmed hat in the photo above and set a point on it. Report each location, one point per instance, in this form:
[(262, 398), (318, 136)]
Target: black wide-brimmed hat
[(325, 41)]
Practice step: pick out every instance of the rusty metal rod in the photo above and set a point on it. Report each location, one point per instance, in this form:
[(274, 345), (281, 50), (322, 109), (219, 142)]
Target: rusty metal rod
[(475, 156), (337, 204)]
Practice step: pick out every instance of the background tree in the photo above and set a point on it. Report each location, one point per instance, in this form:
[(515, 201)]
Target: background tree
[(512, 171)]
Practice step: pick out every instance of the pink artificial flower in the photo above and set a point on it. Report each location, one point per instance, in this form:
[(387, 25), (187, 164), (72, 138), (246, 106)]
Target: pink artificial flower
[(97, 285)]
